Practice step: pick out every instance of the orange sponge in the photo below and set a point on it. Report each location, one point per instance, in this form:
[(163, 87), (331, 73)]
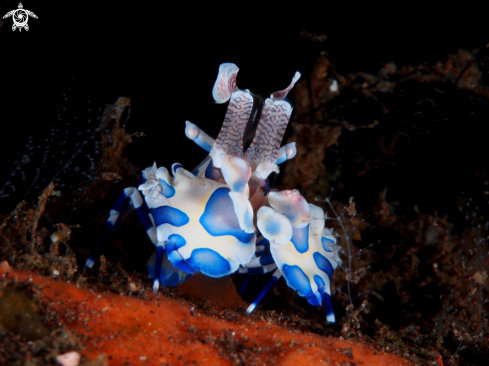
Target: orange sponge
[(161, 331)]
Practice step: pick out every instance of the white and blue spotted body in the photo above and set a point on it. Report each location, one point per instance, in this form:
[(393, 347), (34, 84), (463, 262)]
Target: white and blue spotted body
[(205, 221), (197, 224)]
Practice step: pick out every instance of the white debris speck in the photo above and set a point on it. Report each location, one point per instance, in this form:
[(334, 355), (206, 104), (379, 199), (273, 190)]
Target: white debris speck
[(55, 272), (69, 359), (334, 86)]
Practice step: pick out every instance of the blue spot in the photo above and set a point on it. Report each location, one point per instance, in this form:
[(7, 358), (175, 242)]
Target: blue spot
[(167, 190), (326, 242), (174, 242), (205, 260), (219, 217), (323, 264), (297, 279), (169, 215), (300, 238), (248, 218), (239, 185), (273, 228), (266, 259)]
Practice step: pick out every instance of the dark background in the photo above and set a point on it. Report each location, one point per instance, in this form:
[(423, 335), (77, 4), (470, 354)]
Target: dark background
[(165, 58), (76, 57)]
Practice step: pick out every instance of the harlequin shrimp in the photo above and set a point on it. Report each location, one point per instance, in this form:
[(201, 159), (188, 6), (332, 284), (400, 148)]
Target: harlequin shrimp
[(222, 218)]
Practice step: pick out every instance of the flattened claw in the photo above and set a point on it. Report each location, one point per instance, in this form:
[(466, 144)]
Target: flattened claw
[(225, 84), (291, 204), (309, 259)]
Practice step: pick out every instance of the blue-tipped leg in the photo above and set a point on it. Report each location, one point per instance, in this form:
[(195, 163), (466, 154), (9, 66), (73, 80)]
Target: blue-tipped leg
[(275, 277), (328, 308), (160, 250)]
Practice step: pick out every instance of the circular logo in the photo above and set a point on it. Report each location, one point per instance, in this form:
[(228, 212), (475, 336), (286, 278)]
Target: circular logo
[(20, 17)]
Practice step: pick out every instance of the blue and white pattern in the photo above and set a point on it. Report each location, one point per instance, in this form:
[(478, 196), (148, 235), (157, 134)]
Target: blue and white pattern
[(308, 258), (197, 219), (204, 221)]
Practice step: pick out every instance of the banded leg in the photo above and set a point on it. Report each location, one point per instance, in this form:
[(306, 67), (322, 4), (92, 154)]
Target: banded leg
[(328, 307), (257, 270), (272, 281), (261, 263), (128, 196)]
